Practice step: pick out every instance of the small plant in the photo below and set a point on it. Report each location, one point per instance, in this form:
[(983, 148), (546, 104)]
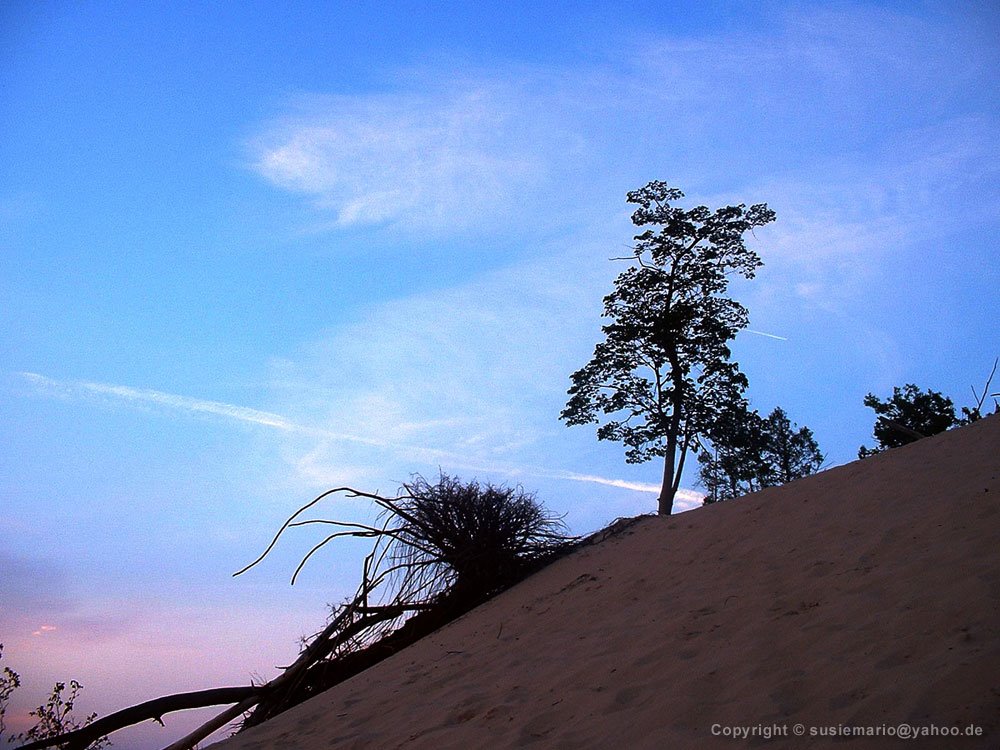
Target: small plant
[(53, 718), (9, 682)]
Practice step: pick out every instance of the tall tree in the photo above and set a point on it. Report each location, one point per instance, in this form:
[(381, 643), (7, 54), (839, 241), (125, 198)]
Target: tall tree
[(908, 415), (663, 372)]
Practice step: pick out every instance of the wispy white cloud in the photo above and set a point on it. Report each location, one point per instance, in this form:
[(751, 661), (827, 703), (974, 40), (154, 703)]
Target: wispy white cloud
[(439, 156), (194, 406), (805, 115)]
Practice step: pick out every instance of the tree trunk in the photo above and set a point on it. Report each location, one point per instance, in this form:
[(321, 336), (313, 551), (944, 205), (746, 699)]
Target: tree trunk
[(666, 502), (152, 709)]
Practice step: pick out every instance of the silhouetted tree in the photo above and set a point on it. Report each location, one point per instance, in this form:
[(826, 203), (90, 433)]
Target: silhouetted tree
[(749, 453), (909, 415), (732, 464), (9, 682), (790, 451), (663, 373)]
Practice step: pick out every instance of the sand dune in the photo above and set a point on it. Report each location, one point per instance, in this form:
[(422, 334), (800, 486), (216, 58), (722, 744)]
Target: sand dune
[(866, 596)]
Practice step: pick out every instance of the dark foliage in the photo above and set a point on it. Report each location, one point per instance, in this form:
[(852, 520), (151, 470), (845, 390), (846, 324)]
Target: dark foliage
[(439, 537), (473, 539), (911, 414), (732, 463), (790, 452), (747, 453), (9, 682), (663, 373), (908, 415)]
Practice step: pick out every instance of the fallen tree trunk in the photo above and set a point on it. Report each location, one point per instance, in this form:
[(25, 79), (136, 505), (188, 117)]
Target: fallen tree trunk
[(217, 722), (245, 698), (337, 632), (152, 709)]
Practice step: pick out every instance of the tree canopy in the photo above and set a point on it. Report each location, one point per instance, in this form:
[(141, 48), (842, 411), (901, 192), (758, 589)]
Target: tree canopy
[(911, 414), (663, 374), (749, 453), (907, 416)]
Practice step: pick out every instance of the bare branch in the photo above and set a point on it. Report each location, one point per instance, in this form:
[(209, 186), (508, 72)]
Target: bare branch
[(981, 399), (150, 710), (349, 492), (219, 721)]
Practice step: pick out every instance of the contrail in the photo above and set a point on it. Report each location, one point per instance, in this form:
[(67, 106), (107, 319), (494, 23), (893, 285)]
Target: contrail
[(769, 335), (687, 498), (279, 422), (185, 403), (622, 483)]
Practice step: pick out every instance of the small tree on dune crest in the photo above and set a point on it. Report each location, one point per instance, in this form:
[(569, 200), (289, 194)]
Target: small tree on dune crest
[(907, 416), (732, 462), (790, 452), (911, 414)]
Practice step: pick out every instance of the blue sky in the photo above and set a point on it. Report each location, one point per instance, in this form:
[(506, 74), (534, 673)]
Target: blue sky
[(250, 252)]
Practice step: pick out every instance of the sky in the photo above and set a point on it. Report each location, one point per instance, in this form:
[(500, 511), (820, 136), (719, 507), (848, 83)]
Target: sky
[(252, 251)]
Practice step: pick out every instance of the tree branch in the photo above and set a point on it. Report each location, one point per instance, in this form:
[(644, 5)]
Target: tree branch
[(902, 428), (212, 725), (349, 491), (986, 388), (152, 709)]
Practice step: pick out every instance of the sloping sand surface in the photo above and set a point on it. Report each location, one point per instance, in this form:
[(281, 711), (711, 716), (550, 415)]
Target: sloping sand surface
[(865, 596)]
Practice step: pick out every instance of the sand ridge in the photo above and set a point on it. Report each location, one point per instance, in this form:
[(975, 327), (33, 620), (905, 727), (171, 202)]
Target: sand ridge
[(864, 596)]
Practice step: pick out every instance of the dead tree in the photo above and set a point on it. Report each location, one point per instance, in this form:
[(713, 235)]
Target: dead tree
[(439, 549)]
